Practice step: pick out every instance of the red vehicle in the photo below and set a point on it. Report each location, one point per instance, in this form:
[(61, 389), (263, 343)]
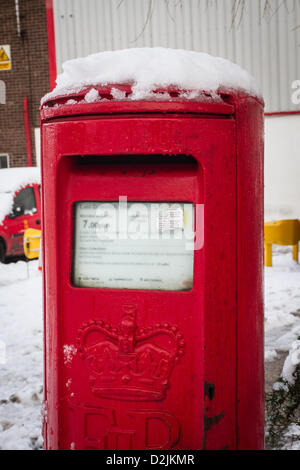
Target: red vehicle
[(20, 208)]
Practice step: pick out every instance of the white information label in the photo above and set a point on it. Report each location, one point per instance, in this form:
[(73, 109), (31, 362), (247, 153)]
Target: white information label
[(134, 245), (171, 219)]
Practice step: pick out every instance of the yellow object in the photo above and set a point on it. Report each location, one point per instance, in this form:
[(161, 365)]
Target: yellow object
[(282, 232), (32, 239), (5, 57)]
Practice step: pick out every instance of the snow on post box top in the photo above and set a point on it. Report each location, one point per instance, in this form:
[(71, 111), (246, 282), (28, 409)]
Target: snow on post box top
[(149, 69)]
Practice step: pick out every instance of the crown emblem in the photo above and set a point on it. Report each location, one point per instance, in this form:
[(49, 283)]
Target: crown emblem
[(127, 362)]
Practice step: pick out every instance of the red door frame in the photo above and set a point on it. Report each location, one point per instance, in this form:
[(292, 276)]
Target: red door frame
[(51, 43)]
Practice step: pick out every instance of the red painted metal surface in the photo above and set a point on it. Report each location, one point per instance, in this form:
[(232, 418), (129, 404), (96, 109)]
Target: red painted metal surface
[(51, 43), (250, 217), (282, 113), (210, 395), (27, 131)]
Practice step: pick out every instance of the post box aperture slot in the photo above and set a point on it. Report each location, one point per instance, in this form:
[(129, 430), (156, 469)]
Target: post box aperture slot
[(133, 245)]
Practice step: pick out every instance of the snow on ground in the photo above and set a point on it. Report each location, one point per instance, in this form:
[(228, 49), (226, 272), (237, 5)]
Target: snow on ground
[(282, 321), (21, 375), (282, 303), (292, 438), (21, 330)]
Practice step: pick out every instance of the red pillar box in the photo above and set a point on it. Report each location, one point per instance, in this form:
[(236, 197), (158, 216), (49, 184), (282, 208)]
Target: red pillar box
[(153, 341)]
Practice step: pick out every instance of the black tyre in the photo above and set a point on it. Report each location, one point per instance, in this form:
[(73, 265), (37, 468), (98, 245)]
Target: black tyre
[(2, 252)]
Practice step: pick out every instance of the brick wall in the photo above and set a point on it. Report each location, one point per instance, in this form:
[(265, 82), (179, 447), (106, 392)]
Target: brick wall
[(29, 75)]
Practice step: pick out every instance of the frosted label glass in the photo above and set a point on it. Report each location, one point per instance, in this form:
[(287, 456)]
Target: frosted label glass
[(141, 245)]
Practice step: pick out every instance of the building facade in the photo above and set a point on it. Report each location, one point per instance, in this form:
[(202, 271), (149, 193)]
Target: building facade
[(261, 36), (24, 30), (263, 41)]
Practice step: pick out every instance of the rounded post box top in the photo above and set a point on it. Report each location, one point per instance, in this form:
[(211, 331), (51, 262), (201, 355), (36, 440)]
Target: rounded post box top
[(148, 80)]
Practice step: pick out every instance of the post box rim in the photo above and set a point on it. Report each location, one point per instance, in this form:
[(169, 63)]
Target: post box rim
[(222, 103)]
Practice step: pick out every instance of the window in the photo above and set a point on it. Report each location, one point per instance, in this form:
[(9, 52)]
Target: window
[(4, 160), (26, 199)]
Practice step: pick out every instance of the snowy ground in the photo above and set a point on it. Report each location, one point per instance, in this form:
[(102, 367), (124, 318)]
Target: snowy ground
[(21, 331), (21, 375), (282, 303)]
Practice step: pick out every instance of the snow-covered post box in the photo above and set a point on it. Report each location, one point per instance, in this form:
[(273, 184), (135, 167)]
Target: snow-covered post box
[(152, 178)]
